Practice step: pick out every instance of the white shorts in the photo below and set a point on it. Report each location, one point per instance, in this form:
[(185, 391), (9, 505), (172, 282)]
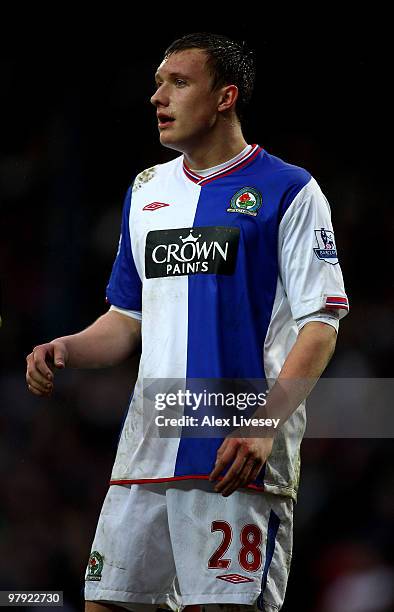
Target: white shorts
[(170, 545)]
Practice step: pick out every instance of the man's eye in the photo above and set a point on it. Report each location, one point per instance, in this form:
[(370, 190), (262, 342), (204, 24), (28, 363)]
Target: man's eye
[(180, 82), (157, 85)]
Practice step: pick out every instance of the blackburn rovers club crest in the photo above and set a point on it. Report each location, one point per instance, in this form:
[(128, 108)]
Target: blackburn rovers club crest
[(95, 566), (326, 249), (246, 201)]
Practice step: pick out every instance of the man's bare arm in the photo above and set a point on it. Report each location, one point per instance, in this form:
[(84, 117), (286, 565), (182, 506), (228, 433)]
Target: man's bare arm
[(311, 352), (304, 365), (108, 341)]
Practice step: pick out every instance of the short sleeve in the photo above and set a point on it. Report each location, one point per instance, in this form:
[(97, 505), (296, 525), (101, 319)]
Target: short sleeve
[(133, 314), (124, 288), (308, 258)]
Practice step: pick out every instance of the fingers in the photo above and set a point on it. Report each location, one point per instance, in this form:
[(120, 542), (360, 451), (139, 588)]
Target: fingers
[(37, 384), (225, 454), (233, 473), (39, 376), (58, 356), (40, 355), (255, 471), (37, 366), (244, 459), (39, 391), (238, 479), (242, 478)]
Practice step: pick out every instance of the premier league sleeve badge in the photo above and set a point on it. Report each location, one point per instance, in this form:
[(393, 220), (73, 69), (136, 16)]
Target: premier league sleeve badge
[(326, 249)]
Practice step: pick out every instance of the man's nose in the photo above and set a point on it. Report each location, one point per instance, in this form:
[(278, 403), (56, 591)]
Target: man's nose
[(154, 99), (159, 97)]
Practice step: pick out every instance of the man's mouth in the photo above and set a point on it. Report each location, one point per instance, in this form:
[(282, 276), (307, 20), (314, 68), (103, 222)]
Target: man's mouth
[(165, 120)]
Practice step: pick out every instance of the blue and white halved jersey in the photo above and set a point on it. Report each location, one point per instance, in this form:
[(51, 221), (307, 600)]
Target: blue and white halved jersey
[(222, 267)]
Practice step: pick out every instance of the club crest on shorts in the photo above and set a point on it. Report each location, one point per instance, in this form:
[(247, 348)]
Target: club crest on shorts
[(326, 249), (246, 201), (95, 566)]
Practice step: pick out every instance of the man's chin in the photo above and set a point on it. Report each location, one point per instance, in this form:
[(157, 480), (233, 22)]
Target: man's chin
[(171, 142)]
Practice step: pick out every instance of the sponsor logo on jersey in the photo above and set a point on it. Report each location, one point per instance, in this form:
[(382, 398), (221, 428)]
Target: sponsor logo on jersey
[(247, 201), (154, 206), (326, 249), (196, 250), (235, 578), (95, 566)]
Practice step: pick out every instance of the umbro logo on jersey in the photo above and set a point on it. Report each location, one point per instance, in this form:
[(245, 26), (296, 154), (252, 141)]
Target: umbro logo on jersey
[(235, 578), (196, 250), (247, 201), (154, 206)]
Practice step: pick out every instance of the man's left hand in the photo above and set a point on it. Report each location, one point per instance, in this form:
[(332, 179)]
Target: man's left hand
[(246, 455)]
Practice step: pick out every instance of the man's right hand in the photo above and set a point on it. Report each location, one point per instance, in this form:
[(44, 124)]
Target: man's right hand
[(42, 362), (112, 338)]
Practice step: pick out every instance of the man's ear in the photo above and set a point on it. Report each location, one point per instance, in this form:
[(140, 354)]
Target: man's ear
[(228, 97)]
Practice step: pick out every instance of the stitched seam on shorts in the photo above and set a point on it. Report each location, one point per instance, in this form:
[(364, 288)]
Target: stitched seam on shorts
[(214, 594), (265, 602), (130, 592), (168, 595)]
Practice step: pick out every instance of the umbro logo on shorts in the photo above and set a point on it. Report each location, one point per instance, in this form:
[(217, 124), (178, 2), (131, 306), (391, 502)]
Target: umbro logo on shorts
[(154, 206), (234, 578)]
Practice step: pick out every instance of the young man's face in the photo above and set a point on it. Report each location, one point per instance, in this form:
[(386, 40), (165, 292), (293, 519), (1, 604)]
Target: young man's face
[(185, 105)]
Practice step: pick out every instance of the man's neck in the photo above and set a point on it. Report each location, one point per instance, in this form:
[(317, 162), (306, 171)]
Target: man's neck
[(216, 150)]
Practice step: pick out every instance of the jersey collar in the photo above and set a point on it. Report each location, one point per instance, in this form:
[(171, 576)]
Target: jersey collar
[(228, 169)]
